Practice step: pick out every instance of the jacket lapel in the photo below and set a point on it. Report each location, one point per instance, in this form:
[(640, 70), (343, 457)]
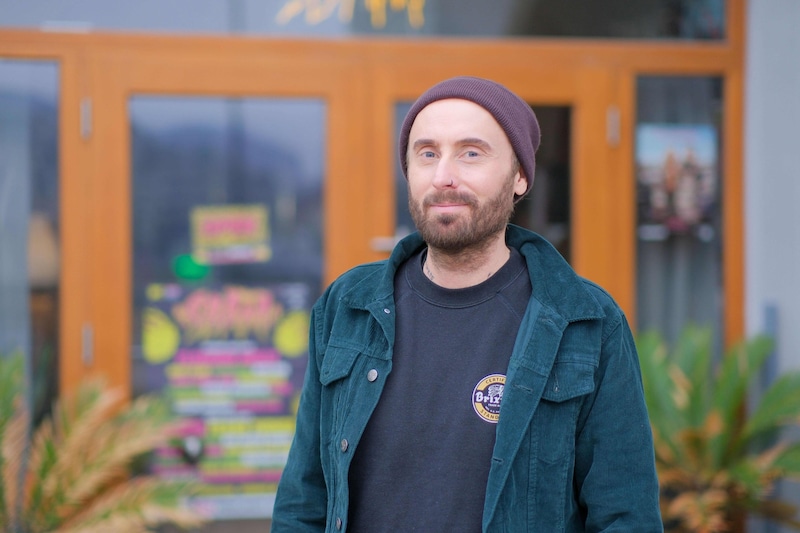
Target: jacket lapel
[(530, 365)]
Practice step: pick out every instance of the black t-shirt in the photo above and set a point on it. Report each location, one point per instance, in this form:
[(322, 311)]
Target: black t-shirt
[(423, 461)]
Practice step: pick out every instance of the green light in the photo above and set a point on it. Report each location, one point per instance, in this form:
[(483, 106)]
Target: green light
[(186, 268)]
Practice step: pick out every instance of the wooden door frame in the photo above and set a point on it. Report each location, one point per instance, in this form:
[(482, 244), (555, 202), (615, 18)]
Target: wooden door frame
[(359, 80), (402, 79), (217, 68)]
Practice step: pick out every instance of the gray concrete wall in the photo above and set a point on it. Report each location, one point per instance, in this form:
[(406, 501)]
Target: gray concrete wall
[(772, 172), (772, 187)]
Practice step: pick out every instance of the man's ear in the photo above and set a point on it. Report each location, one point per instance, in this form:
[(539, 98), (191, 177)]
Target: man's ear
[(520, 183)]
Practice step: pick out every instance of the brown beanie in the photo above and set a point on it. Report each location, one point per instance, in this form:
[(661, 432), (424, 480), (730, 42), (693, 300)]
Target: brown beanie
[(513, 114)]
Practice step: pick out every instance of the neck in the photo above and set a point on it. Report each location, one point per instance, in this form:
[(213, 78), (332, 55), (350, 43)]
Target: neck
[(468, 267)]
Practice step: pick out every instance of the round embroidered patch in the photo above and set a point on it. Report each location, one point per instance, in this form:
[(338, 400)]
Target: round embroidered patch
[(487, 395)]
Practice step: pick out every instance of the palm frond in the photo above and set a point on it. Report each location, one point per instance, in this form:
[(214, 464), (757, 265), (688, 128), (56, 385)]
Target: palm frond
[(660, 394), (692, 355), (96, 445), (738, 369), (778, 511), (78, 477), (62, 448), (788, 462), (779, 406), (13, 437), (12, 416), (700, 512), (714, 459), (142, 503)]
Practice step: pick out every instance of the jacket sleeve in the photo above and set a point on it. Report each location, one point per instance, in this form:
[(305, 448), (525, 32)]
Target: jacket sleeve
[(301, 500), (615, 461)]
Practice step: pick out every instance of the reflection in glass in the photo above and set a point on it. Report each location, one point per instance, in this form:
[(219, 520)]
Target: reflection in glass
[(640, 19), (679, 211), (227, 261), (213, 152), (546, 209), (29, 237)]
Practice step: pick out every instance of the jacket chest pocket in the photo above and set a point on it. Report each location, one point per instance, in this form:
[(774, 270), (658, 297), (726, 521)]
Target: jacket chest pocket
[(337, 364), (555, 420), (334, 375)]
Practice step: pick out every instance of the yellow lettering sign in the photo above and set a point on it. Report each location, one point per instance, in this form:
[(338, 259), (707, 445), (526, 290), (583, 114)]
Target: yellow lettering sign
[(317, 11)]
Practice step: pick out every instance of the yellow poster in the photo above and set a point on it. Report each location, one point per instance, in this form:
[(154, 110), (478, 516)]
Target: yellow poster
[(229, 234)]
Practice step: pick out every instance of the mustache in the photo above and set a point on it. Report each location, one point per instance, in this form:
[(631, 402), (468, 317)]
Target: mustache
[(443, 197)]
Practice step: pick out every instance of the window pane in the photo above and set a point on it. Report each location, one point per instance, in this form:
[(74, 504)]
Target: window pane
[(679, 211), (227, 261), (29, 221), (640, 19), (546, 209)]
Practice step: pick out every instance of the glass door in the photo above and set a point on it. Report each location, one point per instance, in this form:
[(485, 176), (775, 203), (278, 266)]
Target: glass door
[(227, 260), (30, 236), (573, 203), (216, 232)]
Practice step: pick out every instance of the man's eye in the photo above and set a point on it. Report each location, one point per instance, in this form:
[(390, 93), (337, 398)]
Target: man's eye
[(472, 153), (428, 154)]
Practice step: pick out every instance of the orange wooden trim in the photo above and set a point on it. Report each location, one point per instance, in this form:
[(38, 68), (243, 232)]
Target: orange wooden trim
[(348, 185), (735, 12), (437, 53), (383, 98), (733, 208), (73, 206), (109, 232), (592, 197), (623, 181)]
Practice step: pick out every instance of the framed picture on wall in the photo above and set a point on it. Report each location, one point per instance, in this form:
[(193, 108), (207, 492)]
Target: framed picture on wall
[(677, 179)]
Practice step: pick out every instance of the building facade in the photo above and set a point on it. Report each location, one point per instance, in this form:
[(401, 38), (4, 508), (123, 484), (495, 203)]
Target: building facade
[(179, 180)]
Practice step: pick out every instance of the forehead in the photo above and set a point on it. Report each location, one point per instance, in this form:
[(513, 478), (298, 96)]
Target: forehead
[(452, 119)]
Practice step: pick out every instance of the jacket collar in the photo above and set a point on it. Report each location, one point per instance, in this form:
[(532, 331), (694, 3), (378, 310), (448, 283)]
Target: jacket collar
[(555, 284)]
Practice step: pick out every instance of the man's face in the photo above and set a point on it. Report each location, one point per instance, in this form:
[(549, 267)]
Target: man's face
[(462, 175)]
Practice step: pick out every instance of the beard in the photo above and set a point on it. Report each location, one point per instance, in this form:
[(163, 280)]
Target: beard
[(458, 232)]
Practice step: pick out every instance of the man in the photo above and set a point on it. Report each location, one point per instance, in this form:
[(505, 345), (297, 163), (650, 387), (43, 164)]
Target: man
[(472, 382)]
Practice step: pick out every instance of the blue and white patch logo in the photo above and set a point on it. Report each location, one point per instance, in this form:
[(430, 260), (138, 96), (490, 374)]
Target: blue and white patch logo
[(487, 396)]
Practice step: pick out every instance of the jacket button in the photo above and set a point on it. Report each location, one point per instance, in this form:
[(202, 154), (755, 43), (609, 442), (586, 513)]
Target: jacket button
[(386, 310), (344, 444), (372, 375), (338, 523)]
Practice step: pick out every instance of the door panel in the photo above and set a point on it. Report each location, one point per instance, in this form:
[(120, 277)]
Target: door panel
[(132, 74), (583, 94), (30, 236), (227, 260), (217, 222)]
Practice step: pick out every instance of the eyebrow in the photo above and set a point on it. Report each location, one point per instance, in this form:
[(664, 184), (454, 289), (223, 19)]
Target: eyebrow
[(475, 141), (480, 143), (423, 142)]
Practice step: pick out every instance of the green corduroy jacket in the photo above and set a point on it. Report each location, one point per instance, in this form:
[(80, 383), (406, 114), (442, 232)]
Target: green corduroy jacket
[(573, 450)]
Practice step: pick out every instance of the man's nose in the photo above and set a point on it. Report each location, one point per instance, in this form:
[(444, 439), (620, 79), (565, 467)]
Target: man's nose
[(445, 175)]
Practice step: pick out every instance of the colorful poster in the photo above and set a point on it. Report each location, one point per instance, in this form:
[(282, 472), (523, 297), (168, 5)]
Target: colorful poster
[(677, 178), (229, 234), (231, 359)]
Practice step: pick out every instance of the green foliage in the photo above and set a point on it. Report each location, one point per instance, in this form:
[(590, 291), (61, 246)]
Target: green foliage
[(74, 473), (714, 457)]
